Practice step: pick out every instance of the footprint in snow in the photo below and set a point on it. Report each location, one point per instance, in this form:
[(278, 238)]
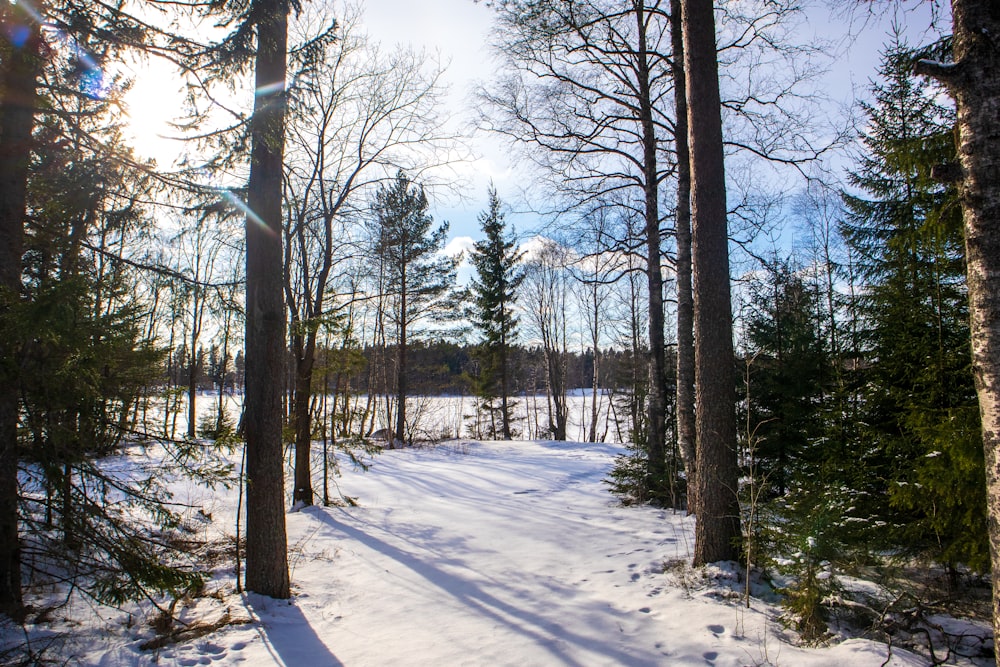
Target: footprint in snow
[(716, 630)]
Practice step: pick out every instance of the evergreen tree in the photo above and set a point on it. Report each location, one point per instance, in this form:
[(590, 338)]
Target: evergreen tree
[(417, 276), (786, 365), (494, 290), (920, 440)]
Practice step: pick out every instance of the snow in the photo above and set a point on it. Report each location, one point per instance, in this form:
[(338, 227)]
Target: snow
[(474, 553)]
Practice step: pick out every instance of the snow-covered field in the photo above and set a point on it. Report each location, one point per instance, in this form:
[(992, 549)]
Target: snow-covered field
[(468, 553)]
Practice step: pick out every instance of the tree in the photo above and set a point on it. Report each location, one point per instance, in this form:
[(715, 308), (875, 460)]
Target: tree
[(495, 259), (355, 116), (417, 277), (544, 294), (267, 550), (685, 299), (919, 405), (973, 79), (718, 528), (786, 367), (585, 95), (20, 67)]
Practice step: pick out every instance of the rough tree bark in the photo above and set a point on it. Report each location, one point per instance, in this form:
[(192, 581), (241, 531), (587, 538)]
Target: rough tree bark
[(21, 67), (656, 447), (685, 301), (267, 552), (974, 82), (718, 528)]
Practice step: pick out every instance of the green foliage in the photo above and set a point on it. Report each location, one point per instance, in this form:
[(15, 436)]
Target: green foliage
[(90, 517), (787, 368), (408, 248), (628, 478), (494, 289), (919, 400), (219, 427)]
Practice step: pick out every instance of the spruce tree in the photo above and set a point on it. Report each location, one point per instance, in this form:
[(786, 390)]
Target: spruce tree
[(921, 453), (494, 291), (786, 365)]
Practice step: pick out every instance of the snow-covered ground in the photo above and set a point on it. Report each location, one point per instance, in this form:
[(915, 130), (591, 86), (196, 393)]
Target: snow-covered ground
[(470, 554)]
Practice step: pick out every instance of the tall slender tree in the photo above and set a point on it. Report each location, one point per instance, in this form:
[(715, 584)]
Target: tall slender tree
[(20, 67), (718, 528), (685, 300), (498, 277), (267, 549), (418, 277)]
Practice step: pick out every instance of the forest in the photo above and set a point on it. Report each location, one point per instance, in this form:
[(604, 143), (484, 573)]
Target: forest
[(767, 320)]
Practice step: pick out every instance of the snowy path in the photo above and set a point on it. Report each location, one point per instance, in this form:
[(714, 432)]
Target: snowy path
[(496, 554)]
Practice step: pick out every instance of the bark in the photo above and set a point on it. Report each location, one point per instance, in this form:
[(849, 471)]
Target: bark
[(267, 553), (657, 404), (401, 387), (21, 70), (193, 371), (504, 384), (718, 528), (685, 301), (305, 355), (974, 82)]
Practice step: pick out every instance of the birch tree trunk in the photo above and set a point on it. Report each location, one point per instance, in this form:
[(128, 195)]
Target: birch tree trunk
[(974, 82)]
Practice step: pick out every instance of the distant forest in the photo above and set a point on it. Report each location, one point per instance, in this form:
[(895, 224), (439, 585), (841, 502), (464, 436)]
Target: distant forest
[(439, 368)]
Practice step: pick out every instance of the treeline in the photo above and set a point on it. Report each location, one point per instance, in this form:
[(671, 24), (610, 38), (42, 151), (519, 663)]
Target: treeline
[(440, 368)]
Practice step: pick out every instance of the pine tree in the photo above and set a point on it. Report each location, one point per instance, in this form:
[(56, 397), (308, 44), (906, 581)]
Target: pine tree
[(417, 276), (920, 408), (494, 290), (718, 529)]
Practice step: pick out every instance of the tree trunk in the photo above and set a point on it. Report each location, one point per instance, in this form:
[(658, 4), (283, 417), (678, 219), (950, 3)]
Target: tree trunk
[(685, 301), (504, 386), (305, 355), (267, 552), (718, 529), (974, 82), (21, 69), (401, 388), (657, 400)]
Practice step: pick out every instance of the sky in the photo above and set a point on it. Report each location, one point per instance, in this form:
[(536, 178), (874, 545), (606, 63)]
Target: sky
[(458, 30)]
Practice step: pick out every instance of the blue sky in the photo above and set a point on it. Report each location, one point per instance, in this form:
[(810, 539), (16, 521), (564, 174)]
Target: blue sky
[(458, 30)]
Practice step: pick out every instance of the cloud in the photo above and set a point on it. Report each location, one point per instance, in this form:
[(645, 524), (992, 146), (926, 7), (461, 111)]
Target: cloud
[(459, 245)]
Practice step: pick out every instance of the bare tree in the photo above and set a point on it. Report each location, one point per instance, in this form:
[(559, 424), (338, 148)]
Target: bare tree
[(356, 117), (586, 97), (718, 528), (544, 294), (685, 299)]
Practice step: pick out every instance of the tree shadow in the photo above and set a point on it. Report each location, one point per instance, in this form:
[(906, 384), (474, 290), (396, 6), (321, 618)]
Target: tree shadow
[(544, 632), (288, 634)]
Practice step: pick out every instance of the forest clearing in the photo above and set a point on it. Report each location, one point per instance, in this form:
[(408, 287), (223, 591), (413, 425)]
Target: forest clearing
[(569, 332), (464, 552)]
